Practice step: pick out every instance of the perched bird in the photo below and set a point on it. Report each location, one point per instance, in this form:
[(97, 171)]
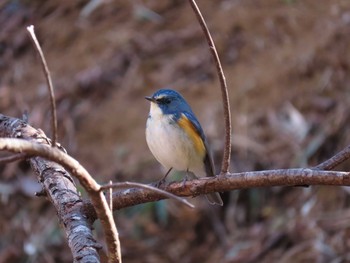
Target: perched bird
[(176, 138)]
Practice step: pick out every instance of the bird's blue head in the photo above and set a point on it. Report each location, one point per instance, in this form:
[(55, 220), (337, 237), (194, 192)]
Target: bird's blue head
[(169, 102)]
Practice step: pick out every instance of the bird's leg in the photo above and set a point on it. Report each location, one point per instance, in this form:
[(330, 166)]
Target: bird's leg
[(185, 179), (161, 181)]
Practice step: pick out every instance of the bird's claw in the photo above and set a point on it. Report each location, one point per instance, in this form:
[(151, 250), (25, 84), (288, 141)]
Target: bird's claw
[(160, 183), (184, 181)]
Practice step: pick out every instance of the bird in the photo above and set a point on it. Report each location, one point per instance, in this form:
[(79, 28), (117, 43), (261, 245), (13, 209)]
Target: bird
[(176, 138)]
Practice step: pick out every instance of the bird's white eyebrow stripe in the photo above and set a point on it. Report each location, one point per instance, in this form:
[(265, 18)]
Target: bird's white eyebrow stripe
[(160, 96)]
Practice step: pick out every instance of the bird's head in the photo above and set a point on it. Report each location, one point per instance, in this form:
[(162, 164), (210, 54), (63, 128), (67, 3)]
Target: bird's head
[(168, 101)]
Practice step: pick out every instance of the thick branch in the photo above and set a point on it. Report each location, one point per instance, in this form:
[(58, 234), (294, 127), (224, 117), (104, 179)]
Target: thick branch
[(61, 191), (229, 182)]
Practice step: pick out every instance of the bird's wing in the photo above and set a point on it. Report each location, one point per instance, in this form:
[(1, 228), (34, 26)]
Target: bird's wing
[(192, 126)]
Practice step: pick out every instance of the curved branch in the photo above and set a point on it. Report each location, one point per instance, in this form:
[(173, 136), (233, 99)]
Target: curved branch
[(91, 186), (49, 84), (15, 128), (225, 99), (61, 191)]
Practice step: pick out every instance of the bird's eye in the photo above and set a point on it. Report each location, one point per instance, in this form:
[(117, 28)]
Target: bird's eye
[(163, 100)]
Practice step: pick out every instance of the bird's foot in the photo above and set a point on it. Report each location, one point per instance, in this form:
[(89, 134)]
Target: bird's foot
[(184, 181), (160, 182)]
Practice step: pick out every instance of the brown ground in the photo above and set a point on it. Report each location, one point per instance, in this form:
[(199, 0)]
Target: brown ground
[(287, 68)]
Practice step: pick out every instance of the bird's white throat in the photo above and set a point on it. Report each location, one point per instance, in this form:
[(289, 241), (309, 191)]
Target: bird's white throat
[(155, 111)]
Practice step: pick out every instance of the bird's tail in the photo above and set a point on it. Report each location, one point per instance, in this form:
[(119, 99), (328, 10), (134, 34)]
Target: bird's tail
[(214, 199)]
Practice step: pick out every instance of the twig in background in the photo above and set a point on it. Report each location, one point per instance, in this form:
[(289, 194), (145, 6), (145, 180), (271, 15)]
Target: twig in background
[(36, 44), (225, 99), (13, 158)]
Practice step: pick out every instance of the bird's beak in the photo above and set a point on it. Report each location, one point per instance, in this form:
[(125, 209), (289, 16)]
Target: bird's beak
[(150, 98)]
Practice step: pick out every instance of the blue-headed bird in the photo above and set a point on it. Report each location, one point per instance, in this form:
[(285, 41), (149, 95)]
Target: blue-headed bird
[(176, 138)]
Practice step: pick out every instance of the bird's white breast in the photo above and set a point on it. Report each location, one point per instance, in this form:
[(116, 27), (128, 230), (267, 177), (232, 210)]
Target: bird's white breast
[(169, 144)]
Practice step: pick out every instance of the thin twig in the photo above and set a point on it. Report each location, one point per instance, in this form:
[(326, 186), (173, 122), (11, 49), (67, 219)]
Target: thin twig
[(225, 99), (13, 158), (337, 159), (148, 187), (36, 44), (110, 196)]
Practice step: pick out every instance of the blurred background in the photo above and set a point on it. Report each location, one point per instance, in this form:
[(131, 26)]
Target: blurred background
[(287, 66)]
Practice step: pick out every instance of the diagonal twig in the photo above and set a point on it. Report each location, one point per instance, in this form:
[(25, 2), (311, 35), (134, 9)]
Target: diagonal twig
[(36, 44), (225, 99), (337, 159), (148, 187)]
